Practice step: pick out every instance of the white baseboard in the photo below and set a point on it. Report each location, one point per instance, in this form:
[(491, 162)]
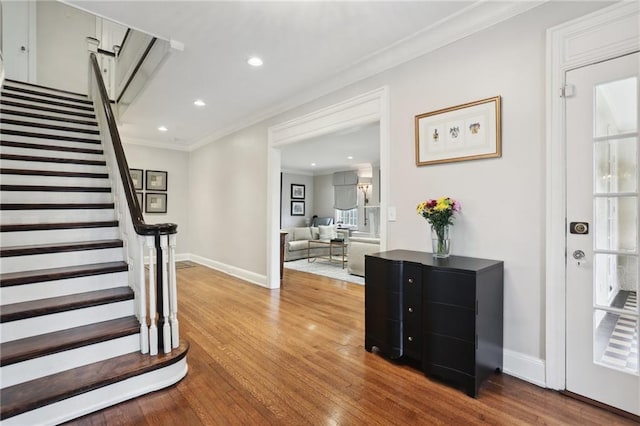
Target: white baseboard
[(524, 367), (243, 274)]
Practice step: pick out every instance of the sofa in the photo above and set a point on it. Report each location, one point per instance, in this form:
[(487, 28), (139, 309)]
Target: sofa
[(358, 247), (297, 241)]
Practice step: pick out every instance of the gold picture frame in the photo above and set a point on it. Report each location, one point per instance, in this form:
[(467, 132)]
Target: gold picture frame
[(464, 132)]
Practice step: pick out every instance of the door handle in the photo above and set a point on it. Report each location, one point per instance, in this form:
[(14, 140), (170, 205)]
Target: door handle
[(578, 255)]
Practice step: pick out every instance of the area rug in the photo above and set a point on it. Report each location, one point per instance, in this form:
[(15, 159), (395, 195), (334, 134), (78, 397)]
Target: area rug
[(322, 267)]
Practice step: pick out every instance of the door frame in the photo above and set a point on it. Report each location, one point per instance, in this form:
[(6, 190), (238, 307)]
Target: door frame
[(369, 107), (605, 34)]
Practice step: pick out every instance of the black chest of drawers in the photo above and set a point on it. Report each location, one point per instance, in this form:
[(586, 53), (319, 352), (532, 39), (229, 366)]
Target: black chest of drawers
[(445, 314)]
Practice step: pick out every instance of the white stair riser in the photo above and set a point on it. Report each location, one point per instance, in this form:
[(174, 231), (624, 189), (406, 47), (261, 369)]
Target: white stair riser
[(45, 131), (43, 97), (41, 165), (44, 290), (50, 114), (60, 260), (51, 153), (52, 180), (16, 217), (9, 84), (45, 365), (21, 329), (97, 399), (24, 238), (55, 197), (11, 113), (69, 107)]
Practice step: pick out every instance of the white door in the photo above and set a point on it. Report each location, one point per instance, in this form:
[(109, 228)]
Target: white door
[(602, 260), (17, 43)]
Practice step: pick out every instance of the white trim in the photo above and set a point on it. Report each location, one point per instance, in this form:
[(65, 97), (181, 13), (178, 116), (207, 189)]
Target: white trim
[(106, 396), (472, 19), (524, 367), (366, 108), (583, 41), (154, 144), (234, 271)]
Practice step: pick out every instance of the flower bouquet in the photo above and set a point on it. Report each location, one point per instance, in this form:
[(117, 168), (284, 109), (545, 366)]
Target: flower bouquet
[(439, 213)]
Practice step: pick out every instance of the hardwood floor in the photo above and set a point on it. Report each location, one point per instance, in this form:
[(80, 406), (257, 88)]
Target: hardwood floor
[(295, 356)]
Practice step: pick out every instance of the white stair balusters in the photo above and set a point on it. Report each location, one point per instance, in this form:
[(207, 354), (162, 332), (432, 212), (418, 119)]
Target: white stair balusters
[(153, 328), (173, 293)]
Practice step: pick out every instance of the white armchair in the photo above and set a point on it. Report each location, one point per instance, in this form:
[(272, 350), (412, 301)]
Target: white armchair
[(358, 247)]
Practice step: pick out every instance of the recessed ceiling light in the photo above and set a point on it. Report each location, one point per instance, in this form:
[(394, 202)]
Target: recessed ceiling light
[(162, 128), (254, 61), (199, 102), (313, 164), (350, 157)]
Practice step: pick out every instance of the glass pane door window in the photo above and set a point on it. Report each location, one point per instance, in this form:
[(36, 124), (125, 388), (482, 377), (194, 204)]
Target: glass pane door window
[(615, 207)]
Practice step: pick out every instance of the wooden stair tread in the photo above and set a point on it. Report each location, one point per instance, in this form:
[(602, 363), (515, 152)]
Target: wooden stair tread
[(48, 126), (58, 173), (25, 83), (36, 158), (54, 188), (52, 274), (46, 94), (51, 305), (28, 145), (56, 387), (46, 101), (50, 343), (5, 111), (56, 226), (58, 247), (46, 109), (55, 206), (48, 136)]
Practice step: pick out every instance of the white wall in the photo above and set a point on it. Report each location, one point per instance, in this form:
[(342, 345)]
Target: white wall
[(289, 221), (62, 55), (175, 163), (502, 199)]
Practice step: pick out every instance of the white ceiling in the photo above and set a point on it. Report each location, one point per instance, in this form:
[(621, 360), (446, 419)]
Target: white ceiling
[(309, 48)]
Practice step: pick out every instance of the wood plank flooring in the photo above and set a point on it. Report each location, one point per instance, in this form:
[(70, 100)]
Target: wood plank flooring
[(295, 356)]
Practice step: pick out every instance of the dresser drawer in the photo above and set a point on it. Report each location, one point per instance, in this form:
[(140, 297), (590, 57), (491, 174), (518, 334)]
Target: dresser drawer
[(412, 342), (412, 282), (448, 352), (451, 321), (451, 288)]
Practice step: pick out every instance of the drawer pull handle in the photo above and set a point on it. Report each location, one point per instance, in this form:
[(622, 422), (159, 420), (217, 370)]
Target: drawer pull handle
[(410, 280), (410, 309), (410, 338)]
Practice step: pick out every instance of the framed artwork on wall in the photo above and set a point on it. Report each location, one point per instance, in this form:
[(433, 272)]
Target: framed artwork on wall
[(155, 202), (136, 177), (297, 191), (297, 208), (156, 180), (464, 132)]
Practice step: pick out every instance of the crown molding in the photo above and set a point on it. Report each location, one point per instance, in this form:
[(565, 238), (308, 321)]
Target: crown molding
[(472, 19), (154, 144)]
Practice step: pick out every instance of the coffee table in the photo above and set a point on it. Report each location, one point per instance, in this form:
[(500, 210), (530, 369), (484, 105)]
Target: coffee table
[(338, 244)]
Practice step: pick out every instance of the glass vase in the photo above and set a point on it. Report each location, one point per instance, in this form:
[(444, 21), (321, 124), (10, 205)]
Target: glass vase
[(440, 242)]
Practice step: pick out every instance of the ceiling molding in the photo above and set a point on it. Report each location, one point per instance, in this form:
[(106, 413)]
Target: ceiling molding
[(154, 144), (475, 18)]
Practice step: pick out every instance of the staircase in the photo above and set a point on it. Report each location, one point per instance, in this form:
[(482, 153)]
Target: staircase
[(70, 338)]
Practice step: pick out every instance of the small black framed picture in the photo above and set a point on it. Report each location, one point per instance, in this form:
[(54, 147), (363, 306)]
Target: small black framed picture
[(155, 202), (136, 177), (297, 191), (156, 180), (297, 208), (140, 196)]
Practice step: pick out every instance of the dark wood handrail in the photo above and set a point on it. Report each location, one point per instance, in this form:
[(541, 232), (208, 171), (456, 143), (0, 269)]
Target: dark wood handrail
[(135, 210)]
